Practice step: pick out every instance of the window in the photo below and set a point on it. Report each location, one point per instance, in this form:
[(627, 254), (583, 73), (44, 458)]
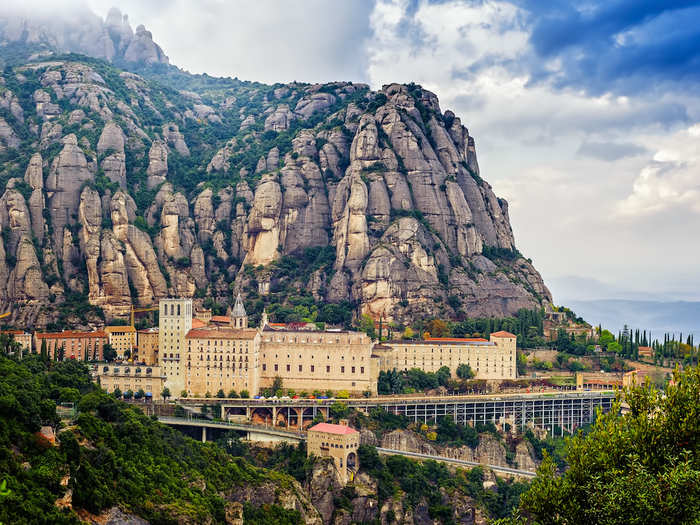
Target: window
[(288, 368), (342, 369), (362, 369), (353, 370), (328, 369), (276, 368), (264, 367), (299, 368), (312, 368)]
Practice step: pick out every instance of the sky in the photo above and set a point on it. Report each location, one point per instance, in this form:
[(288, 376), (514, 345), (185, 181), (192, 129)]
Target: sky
[(586, 114)]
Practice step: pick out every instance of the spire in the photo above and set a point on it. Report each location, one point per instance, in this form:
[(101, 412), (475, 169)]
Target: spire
[(239, 318), (238, 308)]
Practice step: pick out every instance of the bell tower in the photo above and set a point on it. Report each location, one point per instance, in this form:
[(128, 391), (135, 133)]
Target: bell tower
[(239, 319)]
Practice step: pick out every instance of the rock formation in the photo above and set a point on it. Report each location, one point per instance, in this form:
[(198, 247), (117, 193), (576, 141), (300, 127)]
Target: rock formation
[(134, 192)]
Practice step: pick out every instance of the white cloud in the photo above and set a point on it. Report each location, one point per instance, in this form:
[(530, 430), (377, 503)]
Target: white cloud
[(671, 180)]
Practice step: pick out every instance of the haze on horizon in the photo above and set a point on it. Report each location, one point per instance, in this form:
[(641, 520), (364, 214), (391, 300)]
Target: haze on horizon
[(587, 119)]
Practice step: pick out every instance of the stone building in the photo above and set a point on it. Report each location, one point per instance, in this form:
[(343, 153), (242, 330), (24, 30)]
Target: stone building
[(222, 358), (225, 354), (150, 379), (122, 339), (308, 360), (339, 442), (493, 359), (23, 338), (76, 345), (147, 346), (175, 321)]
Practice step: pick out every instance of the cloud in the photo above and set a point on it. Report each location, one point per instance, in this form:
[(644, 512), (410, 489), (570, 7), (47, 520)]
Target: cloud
[(670, 181), (620, 46), (609, 151), (266, 40)]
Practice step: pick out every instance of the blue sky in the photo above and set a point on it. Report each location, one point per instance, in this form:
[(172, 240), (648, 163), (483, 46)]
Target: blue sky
[(586, 114)]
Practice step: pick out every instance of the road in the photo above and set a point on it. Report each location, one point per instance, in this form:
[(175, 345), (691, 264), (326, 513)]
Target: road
[(496, 468)]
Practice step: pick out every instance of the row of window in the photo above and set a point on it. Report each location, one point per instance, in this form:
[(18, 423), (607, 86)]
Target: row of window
[(313, 368)]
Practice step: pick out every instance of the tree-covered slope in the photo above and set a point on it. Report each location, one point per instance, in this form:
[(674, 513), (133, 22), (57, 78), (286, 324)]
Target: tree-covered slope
[(115, 457)]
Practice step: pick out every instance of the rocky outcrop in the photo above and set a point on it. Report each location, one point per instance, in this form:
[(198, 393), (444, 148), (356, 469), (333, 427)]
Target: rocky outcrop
[(380, 194)]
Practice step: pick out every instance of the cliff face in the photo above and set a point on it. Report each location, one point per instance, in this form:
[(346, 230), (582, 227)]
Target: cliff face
[(120, 191)]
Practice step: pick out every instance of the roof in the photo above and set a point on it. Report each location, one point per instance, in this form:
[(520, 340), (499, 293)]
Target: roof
[(330, 428), (198, 323), (220, 319), (441, 341), (112, 329), (70, 334), (503, 333), (153, 330), (238, 308), (457, 339), (21, 332), (222, 333)]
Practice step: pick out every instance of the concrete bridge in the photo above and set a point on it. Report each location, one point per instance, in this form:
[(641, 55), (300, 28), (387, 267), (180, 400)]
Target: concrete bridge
[(567, 411), (252, 432)]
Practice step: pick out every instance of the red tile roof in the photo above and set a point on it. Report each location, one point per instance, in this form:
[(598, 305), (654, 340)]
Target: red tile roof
[(69, 334), (220, 319), (332, 429), (221, 333), (198, 323), (503, 334)]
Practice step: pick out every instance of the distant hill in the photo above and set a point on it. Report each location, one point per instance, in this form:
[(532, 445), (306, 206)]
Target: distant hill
[(657, 316)]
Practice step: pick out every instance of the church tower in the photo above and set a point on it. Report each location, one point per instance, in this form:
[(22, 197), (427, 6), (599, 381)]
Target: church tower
[(239, 319)]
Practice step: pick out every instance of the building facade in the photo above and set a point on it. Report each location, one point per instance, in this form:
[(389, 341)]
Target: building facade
[(492, 359), (175, 321), (222, 359), (150, 379), (147, 346), (339, 442), (23, 338), (308, 360), (122, 339), (74, 344)]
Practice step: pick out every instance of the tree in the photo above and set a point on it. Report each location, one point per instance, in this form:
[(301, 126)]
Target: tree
[(61, 353), (639, 467), (183, 393), (140, 394), (128, 394), (44, 352), (117, 393), (464, 371), (276, 384), (366, 325), (165, 394), (221, 394), (438, 328), (443, 375), (232, 394), (108, 353), (245, 394)]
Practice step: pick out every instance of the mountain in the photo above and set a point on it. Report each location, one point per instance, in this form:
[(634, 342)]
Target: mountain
[(125, 186), (28, 33)]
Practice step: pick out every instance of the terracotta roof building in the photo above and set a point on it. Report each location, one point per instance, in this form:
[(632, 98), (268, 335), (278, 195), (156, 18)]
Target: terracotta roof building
[(339, 442), (494, 359), (73, 344)]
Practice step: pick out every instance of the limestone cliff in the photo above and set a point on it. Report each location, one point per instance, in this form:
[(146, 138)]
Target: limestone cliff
[(133, 191)]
